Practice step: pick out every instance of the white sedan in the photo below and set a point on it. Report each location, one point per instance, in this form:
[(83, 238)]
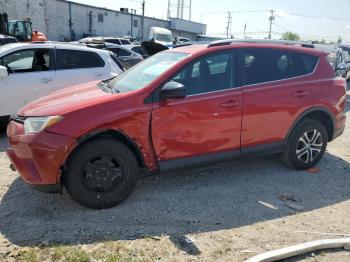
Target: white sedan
[(32, 70)]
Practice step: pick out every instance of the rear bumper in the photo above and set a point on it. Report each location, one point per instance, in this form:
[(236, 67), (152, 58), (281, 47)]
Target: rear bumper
[(338, 132), (339, 125), (38, 157)]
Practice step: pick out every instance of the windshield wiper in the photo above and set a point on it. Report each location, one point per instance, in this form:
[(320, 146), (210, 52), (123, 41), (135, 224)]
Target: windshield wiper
[(105, 86)]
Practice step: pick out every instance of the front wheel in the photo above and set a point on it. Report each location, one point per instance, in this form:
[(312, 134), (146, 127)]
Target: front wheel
[(101, 173), (306, 145)]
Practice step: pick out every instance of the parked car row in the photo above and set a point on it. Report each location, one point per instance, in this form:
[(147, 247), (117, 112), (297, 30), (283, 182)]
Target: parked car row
[(183, 107)]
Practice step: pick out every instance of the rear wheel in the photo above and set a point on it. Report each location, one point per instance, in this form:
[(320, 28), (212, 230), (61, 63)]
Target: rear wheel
[(306, 145), (101, 173)]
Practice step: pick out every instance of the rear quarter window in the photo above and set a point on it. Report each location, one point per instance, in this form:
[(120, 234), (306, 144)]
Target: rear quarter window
[(301, 64)]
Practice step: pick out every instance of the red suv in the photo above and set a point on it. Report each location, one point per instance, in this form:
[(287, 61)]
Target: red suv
[(187, 106)]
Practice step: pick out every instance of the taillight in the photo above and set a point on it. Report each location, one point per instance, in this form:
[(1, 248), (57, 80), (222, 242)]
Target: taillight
[(338, 91)]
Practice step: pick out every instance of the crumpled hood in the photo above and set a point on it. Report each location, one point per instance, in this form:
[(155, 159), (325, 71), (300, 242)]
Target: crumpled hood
[(67, 100), (153, 47)]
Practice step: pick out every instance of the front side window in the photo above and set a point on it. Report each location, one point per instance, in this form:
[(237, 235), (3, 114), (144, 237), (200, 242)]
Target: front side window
[(210, 73), (163, 37), (74, 59), (142, 74), (112, 41), (28, 61)]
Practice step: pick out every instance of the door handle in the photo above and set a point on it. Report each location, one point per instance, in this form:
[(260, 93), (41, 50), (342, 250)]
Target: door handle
[(45, 80), (230, 104), (300, 93)]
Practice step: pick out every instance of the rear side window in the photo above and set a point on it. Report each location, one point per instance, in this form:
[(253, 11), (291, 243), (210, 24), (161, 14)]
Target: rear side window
[(125, 42), (265, 65), (113, 41), (120, 51), (301, 64), (74, 59), (123, 52)]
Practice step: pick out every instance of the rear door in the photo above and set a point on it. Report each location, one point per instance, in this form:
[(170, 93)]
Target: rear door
[(75, 67), (277, 85), (32, 76), (208, 120)]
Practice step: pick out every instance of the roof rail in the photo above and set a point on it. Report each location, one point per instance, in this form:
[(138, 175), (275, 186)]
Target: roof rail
[(259, 41)]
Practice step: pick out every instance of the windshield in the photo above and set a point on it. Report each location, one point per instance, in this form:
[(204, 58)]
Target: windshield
[(145, 72), (163, 37)]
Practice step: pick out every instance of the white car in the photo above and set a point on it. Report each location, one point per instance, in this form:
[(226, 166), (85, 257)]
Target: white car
[(32, 70)]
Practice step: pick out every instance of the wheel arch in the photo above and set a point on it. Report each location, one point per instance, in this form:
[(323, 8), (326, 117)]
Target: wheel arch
[(118, 135), (319, 113), (106, 133)]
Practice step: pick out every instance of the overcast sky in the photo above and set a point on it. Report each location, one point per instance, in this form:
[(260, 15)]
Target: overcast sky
[(310, 19)]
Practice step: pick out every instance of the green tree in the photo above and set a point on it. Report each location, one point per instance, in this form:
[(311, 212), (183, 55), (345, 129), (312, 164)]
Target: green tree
[(290, 36), (339, 40)]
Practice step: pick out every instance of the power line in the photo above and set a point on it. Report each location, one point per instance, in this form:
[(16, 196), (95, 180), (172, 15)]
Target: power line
[(320, 17)]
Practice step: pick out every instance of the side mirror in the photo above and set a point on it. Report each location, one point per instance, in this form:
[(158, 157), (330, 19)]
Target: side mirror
[(3, 72), (172, 90)]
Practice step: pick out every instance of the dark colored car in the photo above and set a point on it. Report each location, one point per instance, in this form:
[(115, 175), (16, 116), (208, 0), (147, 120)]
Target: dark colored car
[(183, 107), (126, 57), (5, 39), (138, 49), (346, 59)]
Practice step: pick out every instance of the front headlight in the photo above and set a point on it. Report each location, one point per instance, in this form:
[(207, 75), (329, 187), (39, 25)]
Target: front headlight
[(37, 124)]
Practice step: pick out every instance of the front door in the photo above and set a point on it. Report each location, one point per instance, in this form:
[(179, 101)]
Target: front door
[(208, 120), (31, 76)]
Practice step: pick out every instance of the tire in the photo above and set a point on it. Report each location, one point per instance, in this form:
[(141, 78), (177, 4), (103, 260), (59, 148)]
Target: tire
[(305, 145), (101, 173)]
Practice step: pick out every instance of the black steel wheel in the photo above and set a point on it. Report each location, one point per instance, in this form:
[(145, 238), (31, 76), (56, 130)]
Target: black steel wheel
[(101, 173)]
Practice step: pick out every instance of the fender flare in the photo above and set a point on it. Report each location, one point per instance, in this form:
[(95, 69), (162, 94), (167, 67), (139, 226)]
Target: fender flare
[(86, 137), (304, 113)]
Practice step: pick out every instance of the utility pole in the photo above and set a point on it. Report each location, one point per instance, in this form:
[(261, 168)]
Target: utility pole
[(168, 9), (228, 28), (245, 29), (143, 18), (178, 8), (190, 10), (182, 9), (271, 18)]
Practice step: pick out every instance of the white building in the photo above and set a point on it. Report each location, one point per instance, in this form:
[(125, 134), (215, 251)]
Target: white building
[(64, 20)]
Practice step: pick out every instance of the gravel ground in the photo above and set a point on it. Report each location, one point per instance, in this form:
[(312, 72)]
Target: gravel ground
[(230, 211)]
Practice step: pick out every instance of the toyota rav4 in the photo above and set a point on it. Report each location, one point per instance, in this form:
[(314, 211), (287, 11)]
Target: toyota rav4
[(188, 106)]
